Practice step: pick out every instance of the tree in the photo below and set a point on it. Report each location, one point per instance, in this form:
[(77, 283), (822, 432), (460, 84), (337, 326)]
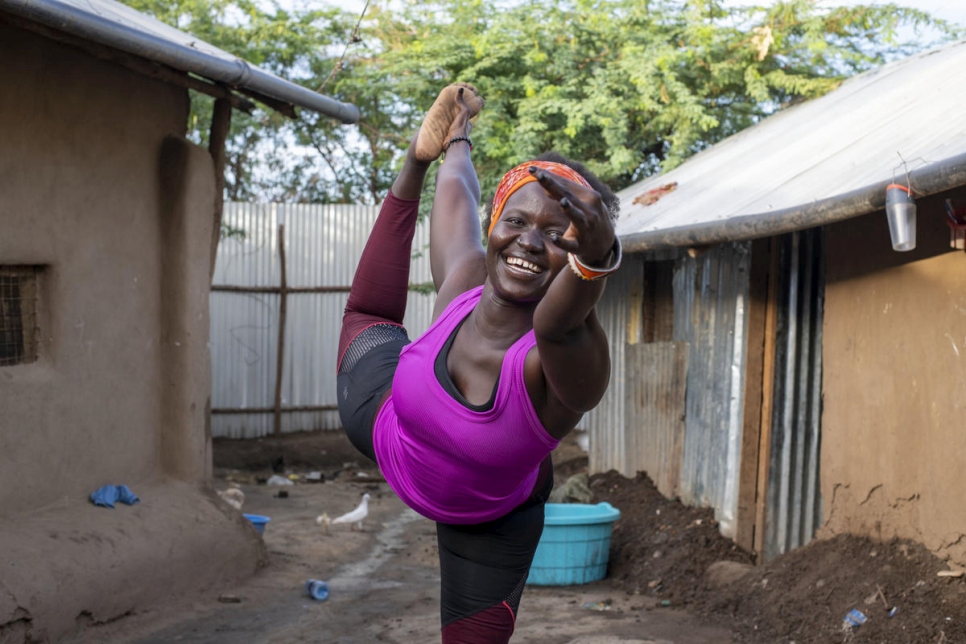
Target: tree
[(629, 87), (261, 161)]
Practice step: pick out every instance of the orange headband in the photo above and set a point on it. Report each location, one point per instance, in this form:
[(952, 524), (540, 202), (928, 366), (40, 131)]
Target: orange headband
[(520, 176)]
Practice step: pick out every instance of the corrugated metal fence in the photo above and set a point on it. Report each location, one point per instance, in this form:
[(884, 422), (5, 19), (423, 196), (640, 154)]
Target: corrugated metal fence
[(321, 245)]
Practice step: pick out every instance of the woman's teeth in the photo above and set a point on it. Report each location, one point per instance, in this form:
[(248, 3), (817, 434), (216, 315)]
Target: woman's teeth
[(522, 263)]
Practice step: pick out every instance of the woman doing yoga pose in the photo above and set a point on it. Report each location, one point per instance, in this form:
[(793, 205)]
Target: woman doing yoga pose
[(461, 421)]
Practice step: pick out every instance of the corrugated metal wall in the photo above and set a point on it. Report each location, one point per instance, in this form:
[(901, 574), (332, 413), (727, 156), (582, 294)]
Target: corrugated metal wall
[(322, 247), (656, 386), (619, 312), (794, 508), (710, 318), (710, 310), (710, 294)]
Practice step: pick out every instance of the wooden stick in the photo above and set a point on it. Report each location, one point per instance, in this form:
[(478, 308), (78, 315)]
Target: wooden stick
[(282, 306), (767, 400), (225, 288), (745, 526), (218, 135), (271, 410)]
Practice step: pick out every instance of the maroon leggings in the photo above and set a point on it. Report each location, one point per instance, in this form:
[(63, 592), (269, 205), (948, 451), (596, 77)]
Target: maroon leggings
[(381, 283)]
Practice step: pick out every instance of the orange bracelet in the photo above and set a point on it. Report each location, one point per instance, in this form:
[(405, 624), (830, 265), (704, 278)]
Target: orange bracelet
[(590, 273)]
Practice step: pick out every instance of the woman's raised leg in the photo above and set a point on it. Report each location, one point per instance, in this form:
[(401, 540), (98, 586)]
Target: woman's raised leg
[(381, 283)]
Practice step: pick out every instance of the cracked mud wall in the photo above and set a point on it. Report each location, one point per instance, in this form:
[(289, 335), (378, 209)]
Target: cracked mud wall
[(894, 383), (79, 175), (101, 191)]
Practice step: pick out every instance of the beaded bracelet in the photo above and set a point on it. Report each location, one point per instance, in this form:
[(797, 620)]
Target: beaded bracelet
[(590, 273), (458, 138)]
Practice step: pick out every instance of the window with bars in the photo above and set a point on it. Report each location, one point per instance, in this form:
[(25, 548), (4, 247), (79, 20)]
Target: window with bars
[(18, 314)]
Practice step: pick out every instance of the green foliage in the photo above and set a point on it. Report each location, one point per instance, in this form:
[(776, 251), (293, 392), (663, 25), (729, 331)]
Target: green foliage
[(262, 164), (629, 87), (626, 86)]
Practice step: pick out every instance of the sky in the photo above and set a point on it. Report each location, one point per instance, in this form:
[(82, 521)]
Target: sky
[(951, 10)]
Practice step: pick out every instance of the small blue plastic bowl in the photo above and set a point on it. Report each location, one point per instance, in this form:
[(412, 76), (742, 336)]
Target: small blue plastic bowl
[(258, 521)]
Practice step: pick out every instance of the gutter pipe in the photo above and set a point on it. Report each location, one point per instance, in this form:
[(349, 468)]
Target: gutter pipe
[(232, 72), (937, 177)]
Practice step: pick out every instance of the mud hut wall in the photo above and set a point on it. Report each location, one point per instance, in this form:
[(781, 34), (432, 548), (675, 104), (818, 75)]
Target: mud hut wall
[(893, 446), (80, 179)]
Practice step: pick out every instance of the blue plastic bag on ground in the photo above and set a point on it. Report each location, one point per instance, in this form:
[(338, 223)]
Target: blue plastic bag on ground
[(109, 494)]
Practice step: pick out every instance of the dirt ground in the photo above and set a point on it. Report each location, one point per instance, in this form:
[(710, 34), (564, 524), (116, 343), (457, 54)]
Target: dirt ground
[(672, 578)]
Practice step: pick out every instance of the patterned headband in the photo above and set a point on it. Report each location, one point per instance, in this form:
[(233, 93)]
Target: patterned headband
[(520, 176)]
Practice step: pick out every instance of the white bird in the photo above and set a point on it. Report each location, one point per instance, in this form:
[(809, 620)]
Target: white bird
[(233, 496), (355, 517), (324, 521)]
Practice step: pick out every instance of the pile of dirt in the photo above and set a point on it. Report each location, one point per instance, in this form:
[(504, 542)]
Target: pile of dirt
[(663, 548), (659, 546)]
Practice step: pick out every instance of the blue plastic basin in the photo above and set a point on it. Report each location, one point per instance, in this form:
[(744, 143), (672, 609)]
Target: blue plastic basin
[(575, 545), (258, 521)]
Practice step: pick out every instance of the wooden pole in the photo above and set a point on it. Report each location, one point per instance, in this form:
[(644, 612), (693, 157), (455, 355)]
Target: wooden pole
[(271, 410), (767, 400), (220, 124), (273, 290), (282, 307), (751, 422)]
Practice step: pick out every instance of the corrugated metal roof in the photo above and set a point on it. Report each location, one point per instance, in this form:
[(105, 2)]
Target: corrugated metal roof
[(820, 161), (118, 26)]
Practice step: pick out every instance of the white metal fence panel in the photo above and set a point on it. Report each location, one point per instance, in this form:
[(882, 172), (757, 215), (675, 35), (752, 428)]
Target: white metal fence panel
[(322, 245)]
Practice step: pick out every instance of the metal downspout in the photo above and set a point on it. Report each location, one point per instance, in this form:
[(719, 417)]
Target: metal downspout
[(234, 72)]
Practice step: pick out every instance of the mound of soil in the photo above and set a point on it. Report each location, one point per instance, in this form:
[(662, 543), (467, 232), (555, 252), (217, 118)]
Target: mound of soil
[(663, 548), (660, 546)]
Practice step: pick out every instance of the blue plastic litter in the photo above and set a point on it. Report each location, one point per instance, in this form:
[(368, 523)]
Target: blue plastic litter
[(317, 590), (258, 521), (109, 494), (854, 618), (575, 545)]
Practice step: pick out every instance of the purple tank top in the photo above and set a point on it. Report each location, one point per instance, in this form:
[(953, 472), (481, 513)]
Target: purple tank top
[(450, 463)]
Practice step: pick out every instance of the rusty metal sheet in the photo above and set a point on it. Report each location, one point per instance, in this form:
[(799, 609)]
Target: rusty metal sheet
[(656, 386)]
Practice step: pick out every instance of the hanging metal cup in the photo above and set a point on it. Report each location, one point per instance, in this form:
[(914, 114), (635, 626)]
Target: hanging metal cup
[(901, 213)]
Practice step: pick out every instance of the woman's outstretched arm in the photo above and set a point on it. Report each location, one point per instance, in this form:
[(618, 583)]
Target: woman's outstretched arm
[(573, 351), (457, 258)]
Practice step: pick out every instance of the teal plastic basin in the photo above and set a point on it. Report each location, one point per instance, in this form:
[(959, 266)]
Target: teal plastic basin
[(575, 545)]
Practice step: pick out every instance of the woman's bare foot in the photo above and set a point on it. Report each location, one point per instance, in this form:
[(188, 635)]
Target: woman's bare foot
[(434, 132)]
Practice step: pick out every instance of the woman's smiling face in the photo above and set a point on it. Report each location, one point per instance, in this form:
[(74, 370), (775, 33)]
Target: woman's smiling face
[(521, 256)]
